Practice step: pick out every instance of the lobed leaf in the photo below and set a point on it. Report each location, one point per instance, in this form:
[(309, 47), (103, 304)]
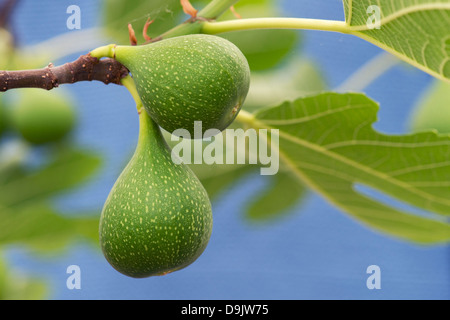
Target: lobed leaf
[(40, 227), (328, 142), (65, 171), (417, 31), (282, 194)]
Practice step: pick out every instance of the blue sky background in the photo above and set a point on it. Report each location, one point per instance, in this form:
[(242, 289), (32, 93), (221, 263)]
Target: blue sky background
[(315, 252)]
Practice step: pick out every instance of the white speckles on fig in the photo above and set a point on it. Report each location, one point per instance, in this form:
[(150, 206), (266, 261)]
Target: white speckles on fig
[(189, 78), (157, 218)]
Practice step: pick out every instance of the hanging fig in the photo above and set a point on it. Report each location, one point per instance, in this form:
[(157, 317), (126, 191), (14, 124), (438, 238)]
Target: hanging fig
[(157, 217), (188, 78)]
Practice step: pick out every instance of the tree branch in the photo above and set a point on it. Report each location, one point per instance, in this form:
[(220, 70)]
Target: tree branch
[(85, 68), (88, 68)]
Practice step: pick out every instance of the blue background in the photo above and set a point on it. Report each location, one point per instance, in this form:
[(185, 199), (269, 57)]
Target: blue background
[(315, 252)]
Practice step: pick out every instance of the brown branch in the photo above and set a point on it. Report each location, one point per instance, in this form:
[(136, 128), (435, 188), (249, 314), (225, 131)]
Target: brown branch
[(85, 68)]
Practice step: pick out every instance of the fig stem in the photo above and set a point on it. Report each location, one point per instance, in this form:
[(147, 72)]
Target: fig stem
[(128, 83), (245, 117), (107, 51), (275, 23)]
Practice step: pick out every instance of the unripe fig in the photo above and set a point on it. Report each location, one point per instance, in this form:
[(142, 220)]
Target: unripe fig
[(41, 116), (189, 78), (157, 217)]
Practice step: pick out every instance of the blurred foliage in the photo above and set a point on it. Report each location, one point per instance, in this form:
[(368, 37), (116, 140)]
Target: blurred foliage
[(297, 77), (283, 192), (26, 210), (6, 49), (28, 215), (264, 49), (16, 286), (28, 188), (117, 14), (3, 118), (433, 109)]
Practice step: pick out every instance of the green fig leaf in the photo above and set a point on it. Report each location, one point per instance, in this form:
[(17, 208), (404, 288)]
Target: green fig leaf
[(327, 141), (264, 49), (117, 14), (299, 77), (6, 48), (217, 178), (282, 194), (16, 286), (433, 109), (40, 227), (417, 31), (28, 218), (68, 169)]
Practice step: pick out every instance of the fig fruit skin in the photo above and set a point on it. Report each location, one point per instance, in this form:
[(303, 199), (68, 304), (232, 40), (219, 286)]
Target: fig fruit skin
[(40, 116), (157, 218), (189, 78)]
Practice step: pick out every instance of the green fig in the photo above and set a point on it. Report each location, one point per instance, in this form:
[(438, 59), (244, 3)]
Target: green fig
[(42, 116), (189, 78), (157, 218)]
